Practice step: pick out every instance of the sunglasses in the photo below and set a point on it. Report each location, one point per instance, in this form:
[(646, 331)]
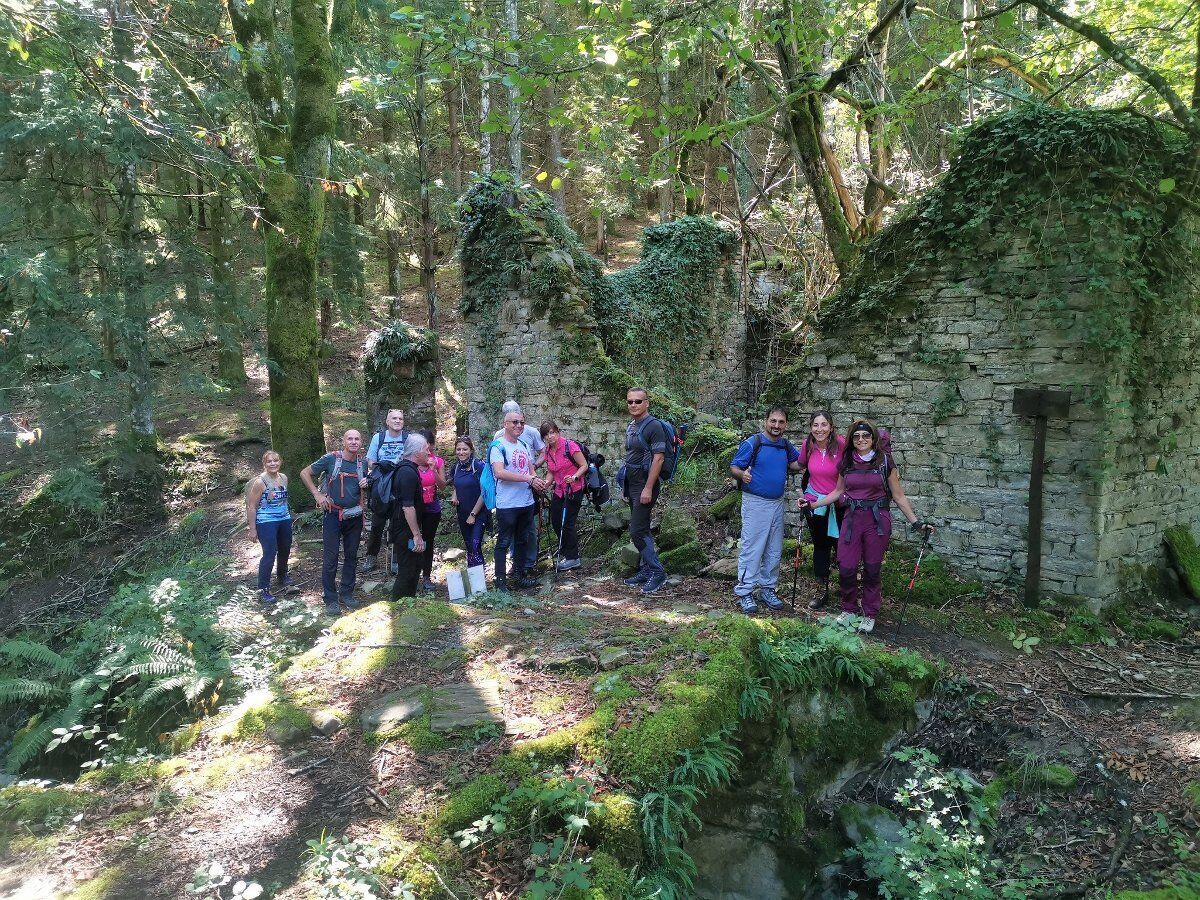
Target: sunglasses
[(634, 402), (517, 422)]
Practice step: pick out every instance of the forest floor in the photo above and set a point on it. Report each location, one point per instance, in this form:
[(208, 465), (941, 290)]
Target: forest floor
[(259, 786)]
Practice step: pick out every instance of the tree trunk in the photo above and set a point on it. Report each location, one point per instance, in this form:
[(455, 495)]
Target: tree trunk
[(231, 364), (428, 226), (294, 206), (451, 93), (665, 179), (138, 465), (512, 60), (806, 138), (485, 97), (554, 121)]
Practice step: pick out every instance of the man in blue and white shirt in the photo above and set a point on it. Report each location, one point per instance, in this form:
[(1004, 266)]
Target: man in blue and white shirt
[(761, 466)]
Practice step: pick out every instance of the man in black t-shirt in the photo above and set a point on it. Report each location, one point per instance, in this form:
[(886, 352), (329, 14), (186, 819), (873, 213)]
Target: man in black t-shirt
[(408, 513), (645, 451)]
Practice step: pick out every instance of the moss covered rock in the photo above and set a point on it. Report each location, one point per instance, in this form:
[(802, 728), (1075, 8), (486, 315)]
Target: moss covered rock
[(675, 529), (1185, 555), (686, 560), (727, 506)]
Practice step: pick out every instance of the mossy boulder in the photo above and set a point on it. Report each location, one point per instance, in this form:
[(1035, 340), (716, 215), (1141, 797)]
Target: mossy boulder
[(727, 506), (686, 560), (614, 826), (1185, 556), (37, 804), (609, 881), (263, 713), (676, 528), (710, 439)]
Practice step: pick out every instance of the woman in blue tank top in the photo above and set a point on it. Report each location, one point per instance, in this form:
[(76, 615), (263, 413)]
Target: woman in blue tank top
[(269, 521)]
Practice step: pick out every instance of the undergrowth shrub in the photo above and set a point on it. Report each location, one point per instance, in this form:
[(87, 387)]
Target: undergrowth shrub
[(129, 673)]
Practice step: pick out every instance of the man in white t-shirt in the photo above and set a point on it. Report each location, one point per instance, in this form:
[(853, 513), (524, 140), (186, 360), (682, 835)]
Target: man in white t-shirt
[(532, 438), (514, 464)]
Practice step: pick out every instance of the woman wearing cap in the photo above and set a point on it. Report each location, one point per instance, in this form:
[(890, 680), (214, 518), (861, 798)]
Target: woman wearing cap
[(868, 483)]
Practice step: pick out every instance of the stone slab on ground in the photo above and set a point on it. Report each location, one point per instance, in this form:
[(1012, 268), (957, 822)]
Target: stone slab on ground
[(392, 709), (466, 704)]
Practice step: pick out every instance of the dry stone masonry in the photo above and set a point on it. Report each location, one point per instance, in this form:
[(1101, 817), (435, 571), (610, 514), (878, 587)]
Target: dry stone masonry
[(963, 328)]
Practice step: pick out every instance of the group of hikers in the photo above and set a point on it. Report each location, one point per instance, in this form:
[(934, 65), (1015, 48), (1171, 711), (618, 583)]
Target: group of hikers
[(847, 487)]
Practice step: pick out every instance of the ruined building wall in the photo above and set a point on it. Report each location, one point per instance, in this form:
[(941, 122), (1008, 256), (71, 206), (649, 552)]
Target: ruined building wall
[(941, 326)]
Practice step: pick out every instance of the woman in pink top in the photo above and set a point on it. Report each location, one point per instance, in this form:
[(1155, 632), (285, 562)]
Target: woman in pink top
[(433, 477), (819, 458), (568, 468)]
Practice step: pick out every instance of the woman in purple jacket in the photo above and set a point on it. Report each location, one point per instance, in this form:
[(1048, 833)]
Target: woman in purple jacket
[(868, 483)]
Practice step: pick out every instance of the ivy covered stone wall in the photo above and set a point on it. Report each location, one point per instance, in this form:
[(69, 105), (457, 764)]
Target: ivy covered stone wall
[(546, 326), (1053, 253)]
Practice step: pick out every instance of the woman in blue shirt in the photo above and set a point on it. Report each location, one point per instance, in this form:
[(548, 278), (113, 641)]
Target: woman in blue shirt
[(269, 521), (467, 497)]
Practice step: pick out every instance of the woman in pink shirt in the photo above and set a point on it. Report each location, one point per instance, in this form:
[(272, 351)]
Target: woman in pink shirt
[(433, 477), (568, 468), (819, 457)]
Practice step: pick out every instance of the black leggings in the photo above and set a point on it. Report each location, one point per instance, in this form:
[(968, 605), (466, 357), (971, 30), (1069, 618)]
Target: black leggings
[(429, 527), (824, 546)]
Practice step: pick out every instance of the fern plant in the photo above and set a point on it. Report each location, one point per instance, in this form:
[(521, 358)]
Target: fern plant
[(151, 655)]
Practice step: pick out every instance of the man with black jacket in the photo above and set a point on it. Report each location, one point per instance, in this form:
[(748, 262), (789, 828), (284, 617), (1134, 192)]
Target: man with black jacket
[(408, 510)]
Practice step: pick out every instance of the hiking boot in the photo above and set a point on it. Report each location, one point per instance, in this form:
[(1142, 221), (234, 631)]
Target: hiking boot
[(524, 582), (501, 585), (867, 625), (747, 605), (771, 599), (654, 583), (819, 602), (266, 596), (369, 563), (332, 609), (395, 569), (565, 565), (287, 585), (427, 587), (638, 580), (349, 603), (844, 617)]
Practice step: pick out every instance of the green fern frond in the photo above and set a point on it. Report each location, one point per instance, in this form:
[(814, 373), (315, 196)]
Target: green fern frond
[(13, 690), (40, 654), (27, 746)]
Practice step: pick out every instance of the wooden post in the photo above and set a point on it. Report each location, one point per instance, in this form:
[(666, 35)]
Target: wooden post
[(1040, 403)]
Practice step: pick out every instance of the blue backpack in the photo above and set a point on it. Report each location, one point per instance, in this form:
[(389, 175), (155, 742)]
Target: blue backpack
[(487, 478)]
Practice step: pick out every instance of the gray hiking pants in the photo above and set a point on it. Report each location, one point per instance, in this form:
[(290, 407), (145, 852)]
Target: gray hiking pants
[(762, 544)]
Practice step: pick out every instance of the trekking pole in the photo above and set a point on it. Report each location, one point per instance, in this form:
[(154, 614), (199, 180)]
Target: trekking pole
[(796, 558), (911, 582)]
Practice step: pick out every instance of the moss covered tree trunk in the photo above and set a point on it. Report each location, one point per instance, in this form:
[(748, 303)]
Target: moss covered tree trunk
[(296, 155)]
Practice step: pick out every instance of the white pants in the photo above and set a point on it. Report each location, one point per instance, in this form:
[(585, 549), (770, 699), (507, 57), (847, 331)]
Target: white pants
[(762, 544)]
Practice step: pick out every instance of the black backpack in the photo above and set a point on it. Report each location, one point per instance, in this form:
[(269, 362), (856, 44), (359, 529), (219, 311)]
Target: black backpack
[(676, 435), (595, 484), (758, 443)]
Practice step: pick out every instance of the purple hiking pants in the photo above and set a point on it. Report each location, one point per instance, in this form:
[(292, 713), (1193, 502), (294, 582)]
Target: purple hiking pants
[(861, 544)]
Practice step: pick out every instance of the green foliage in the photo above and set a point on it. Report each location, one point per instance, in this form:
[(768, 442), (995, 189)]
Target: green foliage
[(831, 654), (211, 878), (550, 812), (127, 674), (342, 868), (398, 353), (942, 851)]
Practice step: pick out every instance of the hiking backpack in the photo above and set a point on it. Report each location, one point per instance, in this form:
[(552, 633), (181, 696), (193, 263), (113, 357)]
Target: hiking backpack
[(487, 478), (758, 443), (676, 435)]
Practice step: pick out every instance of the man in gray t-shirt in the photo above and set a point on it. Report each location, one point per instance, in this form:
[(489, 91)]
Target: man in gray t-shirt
[(513, 464)]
